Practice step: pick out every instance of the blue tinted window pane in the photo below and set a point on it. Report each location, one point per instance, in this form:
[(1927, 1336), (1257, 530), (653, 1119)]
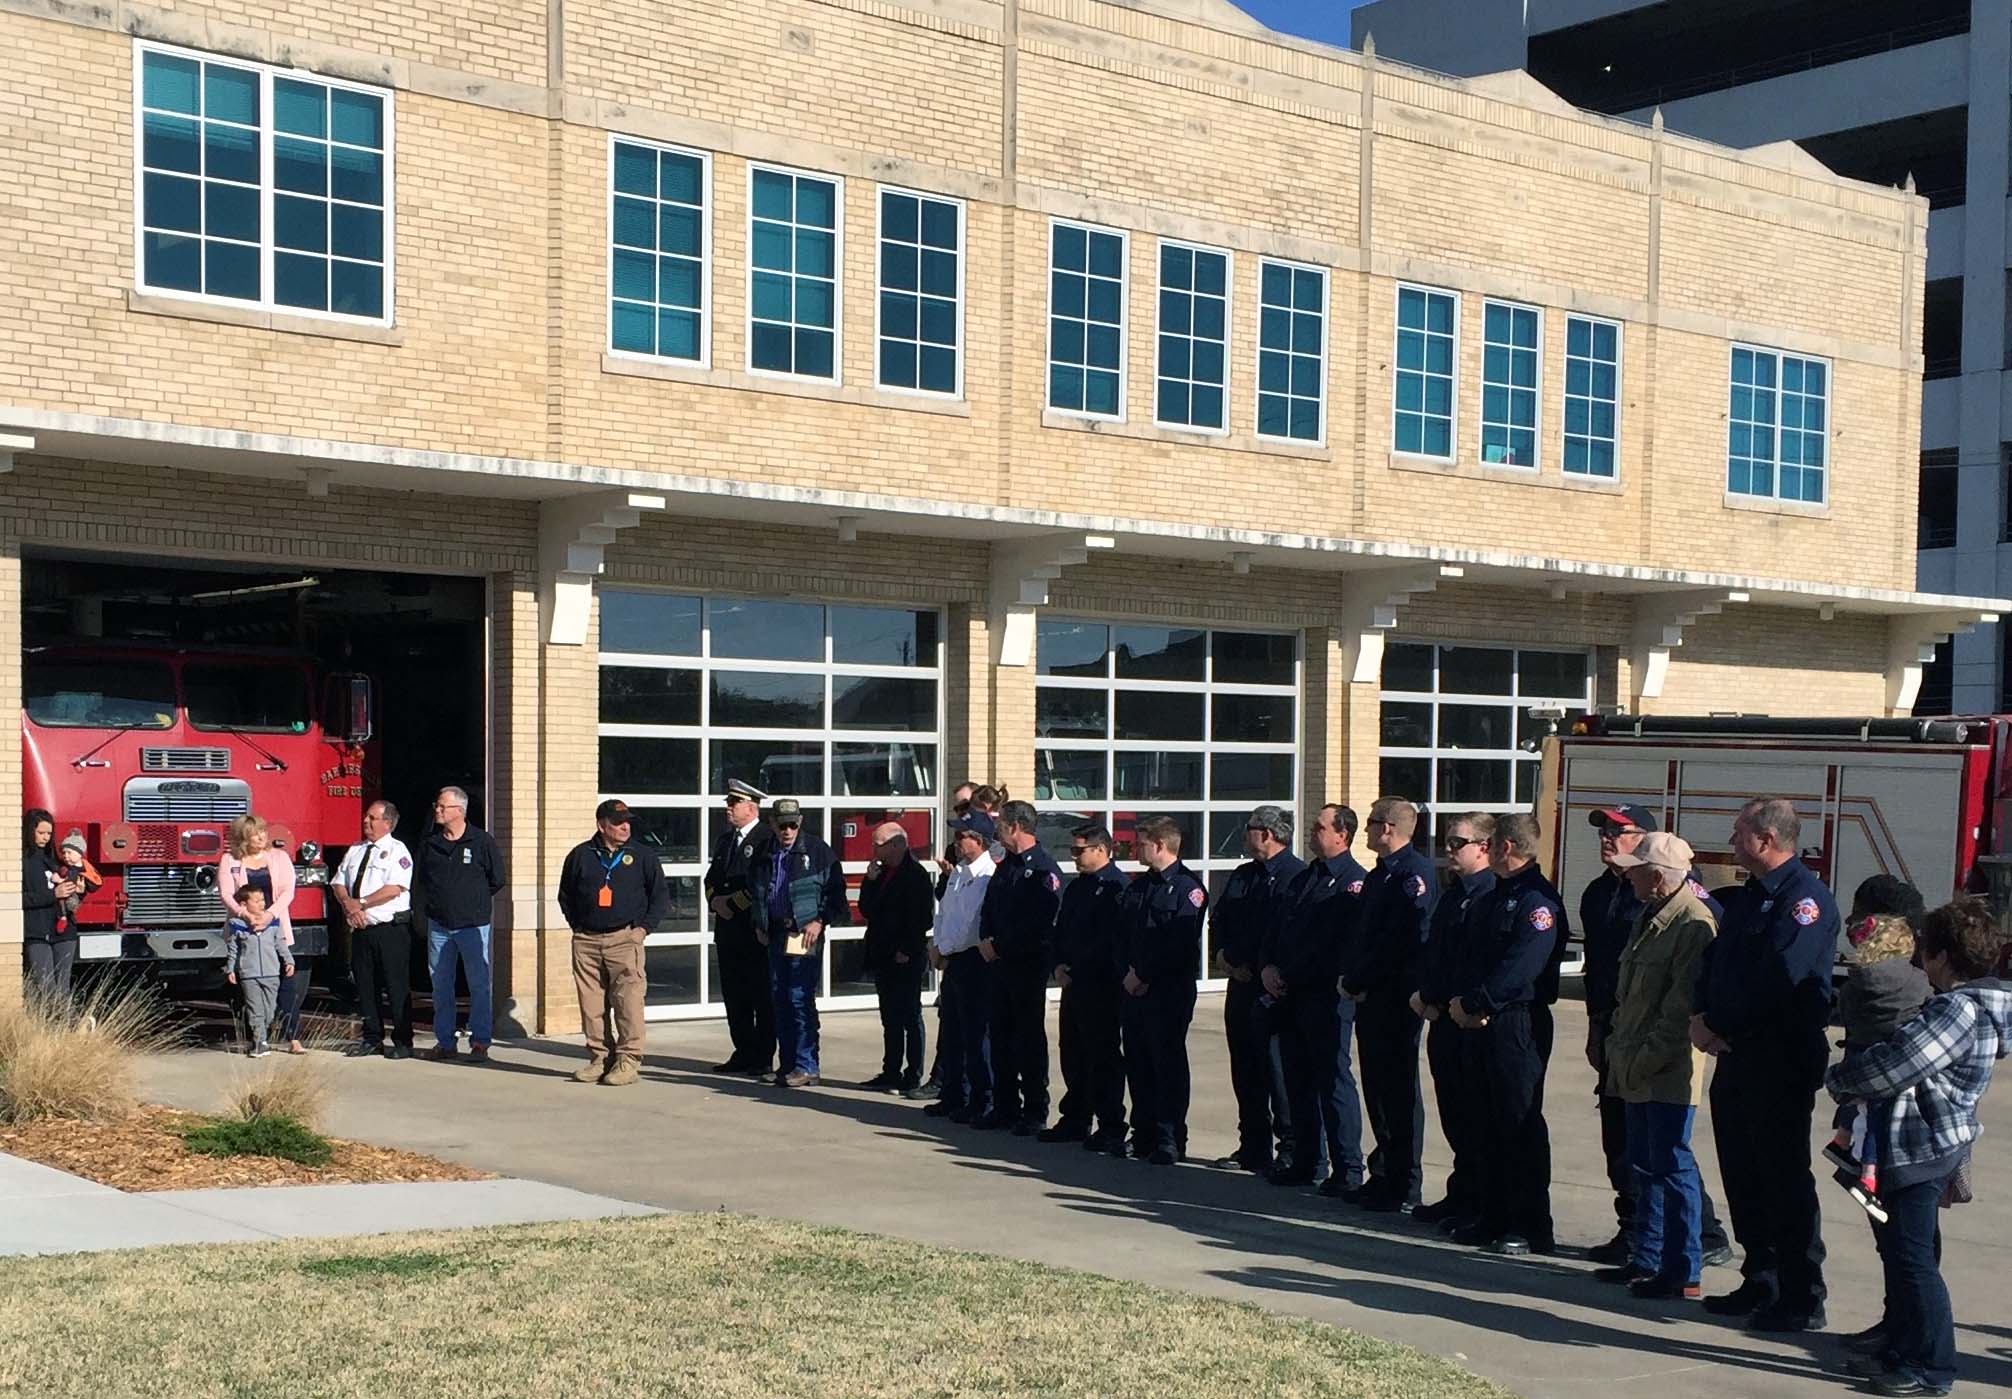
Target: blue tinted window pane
[(356, 117), (635, 276), (1274, 414), (300, 281), (230, 94), (635, 171), (1065, 387), (678, 334), (678, 282), (900, 218), (1306, 420), (814, 353), (300, 109), (682, 179), (680, 230), (356, 232), (631, 328), (356, 175), (772, 196), (230, 269), (816, 203), (300, 224), (769, 348), (170, 143), (1107, 254), (1071, 248), (938, 323), (937, 369), (939, 224), (1100, 392), (230, 153), (897, 364), (655, 624), (231, 211), (174, 203), (170, 83), (172, 261), (813, 254), (633, 224), (356, 289), (300, 166)]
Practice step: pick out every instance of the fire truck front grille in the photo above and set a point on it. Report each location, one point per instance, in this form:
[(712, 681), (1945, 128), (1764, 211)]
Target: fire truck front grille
[(153, 841), (168, 799), (163, 894), (185, 760)]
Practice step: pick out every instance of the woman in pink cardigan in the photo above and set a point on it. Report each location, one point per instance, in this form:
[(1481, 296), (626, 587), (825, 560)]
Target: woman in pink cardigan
[(251, 860)]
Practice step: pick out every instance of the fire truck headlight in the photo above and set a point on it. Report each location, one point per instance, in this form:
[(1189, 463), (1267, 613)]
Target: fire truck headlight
[(204, 877), (308, 853)]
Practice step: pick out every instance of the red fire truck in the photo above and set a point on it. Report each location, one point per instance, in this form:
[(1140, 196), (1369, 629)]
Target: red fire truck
[(1926, 800), (149, 751)]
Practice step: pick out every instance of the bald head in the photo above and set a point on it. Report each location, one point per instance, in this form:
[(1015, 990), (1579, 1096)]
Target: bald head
[(890, 834)]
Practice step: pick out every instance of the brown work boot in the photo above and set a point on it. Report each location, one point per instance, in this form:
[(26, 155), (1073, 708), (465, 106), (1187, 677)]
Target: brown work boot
[(591, 1071), (625, 1072), (797, 1078)]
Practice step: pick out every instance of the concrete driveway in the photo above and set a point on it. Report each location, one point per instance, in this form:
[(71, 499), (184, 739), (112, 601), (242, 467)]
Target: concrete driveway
[(687, 1139)]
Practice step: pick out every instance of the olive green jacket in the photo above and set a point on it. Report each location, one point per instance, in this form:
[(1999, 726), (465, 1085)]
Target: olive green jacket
[(1649, 1054)]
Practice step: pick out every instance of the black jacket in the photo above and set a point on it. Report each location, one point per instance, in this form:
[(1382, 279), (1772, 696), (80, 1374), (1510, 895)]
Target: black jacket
[(1317, 917), (1250, 905), (1020, 905), (1516, 943), (899, 910), (1381, 960), (456, 882), (1446, 937), (633, 875), (727, 877), (1163, 929), (813, 882), (38, 896), (1091, 925), (1765, 982)]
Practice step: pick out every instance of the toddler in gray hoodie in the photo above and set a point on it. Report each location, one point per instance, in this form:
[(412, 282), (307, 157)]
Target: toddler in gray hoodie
[(255, 961)]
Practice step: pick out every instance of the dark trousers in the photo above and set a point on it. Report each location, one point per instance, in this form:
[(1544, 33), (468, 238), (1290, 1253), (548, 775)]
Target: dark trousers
[(1156, 1063), (1020, 1040), (747, 995), (1516, 1150), (1762, 1102), (1920, 1327), (963, 1023), (50, 965), (293, 996), (1386, 1036), (1620, 1175), (1093, 1064), (1460, 1109), (1257, 1073), (380, 958), (898, 987), (1316, 1039)]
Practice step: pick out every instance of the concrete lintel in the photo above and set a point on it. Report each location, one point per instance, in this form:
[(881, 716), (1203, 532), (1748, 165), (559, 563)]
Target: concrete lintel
[(1910, 648), (12, 442), (574, 533), (1022, 569), (1370, 604), (1660, 623)]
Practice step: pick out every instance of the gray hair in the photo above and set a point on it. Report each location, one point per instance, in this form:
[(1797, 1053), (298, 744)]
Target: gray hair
[(1019, 815), (460, 797), (1774, 816), (1274, 819), (390, 811)]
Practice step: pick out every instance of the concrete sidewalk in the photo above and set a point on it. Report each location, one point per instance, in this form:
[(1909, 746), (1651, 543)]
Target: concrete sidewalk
[(49, 1211), (685, 1138)]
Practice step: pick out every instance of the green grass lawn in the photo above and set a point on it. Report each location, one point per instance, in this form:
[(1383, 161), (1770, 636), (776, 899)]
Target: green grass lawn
[(720, 1306)]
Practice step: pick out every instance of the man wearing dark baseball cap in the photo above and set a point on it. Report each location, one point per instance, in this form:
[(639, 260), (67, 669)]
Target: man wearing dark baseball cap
[(612, 893)]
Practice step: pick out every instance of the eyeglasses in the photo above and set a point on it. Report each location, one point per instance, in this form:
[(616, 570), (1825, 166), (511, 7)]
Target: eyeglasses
[(1616, 832), (780, 825), (1079, 851), (1456, 844)]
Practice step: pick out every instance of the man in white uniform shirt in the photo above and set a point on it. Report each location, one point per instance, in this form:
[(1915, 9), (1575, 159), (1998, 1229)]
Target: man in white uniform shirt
[(373, 884), (964, 988)]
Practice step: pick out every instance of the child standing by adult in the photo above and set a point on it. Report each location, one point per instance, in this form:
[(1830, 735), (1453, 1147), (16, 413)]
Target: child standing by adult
[(256, 961)]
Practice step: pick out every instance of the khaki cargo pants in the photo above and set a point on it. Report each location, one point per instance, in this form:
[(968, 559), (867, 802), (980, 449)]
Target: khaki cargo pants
[(608, 975)]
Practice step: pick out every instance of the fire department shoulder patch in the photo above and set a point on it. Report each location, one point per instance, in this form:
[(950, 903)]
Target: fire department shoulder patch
[(1355, 886), (1054, 882), (1196, 896), (1541, 918), (1805, 912), (1415, 888), (405, 862)]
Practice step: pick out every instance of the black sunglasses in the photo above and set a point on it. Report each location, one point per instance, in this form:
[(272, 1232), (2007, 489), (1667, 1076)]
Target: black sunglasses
[(1455, 844), (1079, 850), (1616, 832)]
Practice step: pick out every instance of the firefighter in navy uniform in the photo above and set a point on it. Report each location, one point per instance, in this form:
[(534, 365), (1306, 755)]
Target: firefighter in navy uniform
[(1461, 1105), (1607, 912), (743, 961), (1249, 906), (1087, 933), (1162, 952), (1379, 974), (1302, 960), (1763, 1009), (1016, 930), (1518, 940)]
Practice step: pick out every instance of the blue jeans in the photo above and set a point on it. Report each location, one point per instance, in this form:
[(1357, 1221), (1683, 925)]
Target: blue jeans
[(1920, 1328), (468, 948), (795, 980), (963, 1024), (1667, 1210)]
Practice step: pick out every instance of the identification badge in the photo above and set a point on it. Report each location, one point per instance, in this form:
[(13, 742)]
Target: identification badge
[(607, 897)]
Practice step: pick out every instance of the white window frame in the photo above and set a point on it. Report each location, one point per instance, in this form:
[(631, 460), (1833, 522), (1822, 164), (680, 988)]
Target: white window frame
[(1258, 352), (705, 160), (704, 733), (1110, 685), (837, 378), (266, 73), (1396, 334), (1124, 322), (1229, 321), (1829, 412), (963, 224), (1565, 393), (1536, 390)]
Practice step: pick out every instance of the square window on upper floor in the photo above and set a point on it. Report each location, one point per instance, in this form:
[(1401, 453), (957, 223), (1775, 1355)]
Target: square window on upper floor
[(1778, 426)]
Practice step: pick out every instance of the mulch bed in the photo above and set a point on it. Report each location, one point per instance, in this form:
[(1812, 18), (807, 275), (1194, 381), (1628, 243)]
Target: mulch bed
[(145, 1152)]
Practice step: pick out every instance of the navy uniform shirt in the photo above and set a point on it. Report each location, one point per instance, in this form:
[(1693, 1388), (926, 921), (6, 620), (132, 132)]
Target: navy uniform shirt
[(1381, 960), (1317, 918), (1766, 978), (1163, 927), (1607, 913), (1447, 934), (1090, 924), (1021, 901), (633, 876), (1517, 940), (1250, 906)]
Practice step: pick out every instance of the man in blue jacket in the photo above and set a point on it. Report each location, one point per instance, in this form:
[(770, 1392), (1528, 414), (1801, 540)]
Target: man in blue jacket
[(1087, 933), (1016, 930), (1162, 953), (800, 892), (1249, 906), (1462, 1105), (1379, 972), (1763, 1008)]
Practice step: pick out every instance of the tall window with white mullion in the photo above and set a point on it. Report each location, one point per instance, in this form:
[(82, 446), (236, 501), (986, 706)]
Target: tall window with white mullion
[(1086, 321), (1509, 349), (1778, 424), (219, 144), (793, 274), (921, 247), (657, 255), (1292, 351), (1422, 424), (1592, 397), (1193, 374)]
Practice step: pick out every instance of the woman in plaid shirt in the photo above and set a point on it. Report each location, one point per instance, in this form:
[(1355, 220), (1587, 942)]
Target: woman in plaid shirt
[(1930, 1076)]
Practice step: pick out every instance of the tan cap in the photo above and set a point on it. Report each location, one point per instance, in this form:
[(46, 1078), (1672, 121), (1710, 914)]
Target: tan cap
[(889, 830), (1661, 849)]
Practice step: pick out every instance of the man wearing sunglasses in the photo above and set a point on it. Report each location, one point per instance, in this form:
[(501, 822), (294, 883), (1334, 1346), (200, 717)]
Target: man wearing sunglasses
[(1251, 903), (1456, 1087), (1607, 912)]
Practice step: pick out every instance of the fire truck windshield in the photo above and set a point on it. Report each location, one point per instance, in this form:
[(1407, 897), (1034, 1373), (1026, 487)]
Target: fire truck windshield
[(251, 698), (99, 694)]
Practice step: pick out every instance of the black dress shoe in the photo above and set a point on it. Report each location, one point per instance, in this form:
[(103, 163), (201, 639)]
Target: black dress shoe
[(1614, 1252), (882, 1081), (1435, 1212), (1289, 1176), (965, 1116), (363, 1049), (924, 1093), (1787, 1319), (1870, 1341), (1626, 1274), (939, 1108), (1900, 1385), (1337, 1188), (1718, 1256), (1063, 1132), (990, 1122), (1744, 1300), (1387, 1204), (1163, 1156), (1027, 1127), (730, 1066), (1476, 1235), (1666, 1290), (1118, 1147), (1454, 1223), (399, 1051)]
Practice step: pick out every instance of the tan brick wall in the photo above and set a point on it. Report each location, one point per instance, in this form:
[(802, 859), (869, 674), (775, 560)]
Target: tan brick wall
[(1756, 660)]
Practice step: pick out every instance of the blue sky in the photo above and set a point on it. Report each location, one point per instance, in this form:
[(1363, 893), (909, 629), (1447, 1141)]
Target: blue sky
[(1326, 20)]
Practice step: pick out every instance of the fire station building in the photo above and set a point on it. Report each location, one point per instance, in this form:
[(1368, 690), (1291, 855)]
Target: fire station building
[(1109, 398)]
